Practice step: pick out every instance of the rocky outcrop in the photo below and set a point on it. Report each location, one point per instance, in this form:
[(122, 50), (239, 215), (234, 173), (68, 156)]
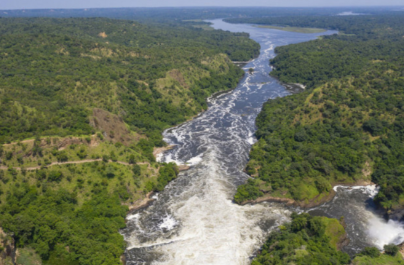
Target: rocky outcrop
[(397, 214)]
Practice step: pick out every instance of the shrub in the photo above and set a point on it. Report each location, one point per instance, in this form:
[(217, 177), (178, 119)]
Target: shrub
[(62, 156), (110, 171), (82, 153), (136, 170), (132, 159), (371, 252), (55, 176), (391, 249)]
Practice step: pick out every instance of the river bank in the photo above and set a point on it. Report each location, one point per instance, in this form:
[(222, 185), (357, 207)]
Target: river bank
[(193, 219), (306, 204)]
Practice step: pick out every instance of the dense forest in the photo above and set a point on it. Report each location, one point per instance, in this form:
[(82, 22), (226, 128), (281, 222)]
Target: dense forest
[(101, 91), (317, 240), (173, 15), (123, 67), (83, 103), (347, 126)]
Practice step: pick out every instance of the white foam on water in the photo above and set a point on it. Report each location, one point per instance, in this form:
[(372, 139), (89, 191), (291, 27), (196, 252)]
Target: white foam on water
[(168, 223), (379, 231), (384, 233), (169, 158), (251, 140), (133, 216), (195, 160), (205, 226), (213, 229), (159, 157), (371, 190)]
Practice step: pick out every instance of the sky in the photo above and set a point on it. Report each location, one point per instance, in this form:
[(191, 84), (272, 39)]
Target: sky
[(44, 4)]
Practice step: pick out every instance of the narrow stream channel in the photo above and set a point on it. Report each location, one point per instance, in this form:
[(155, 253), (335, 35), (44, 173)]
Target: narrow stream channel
[(193, 221)]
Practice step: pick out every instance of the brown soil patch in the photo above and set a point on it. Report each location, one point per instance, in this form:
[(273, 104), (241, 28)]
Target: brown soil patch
[(68, 141), (367, 170), (177, 76), (94, 57), (29, 141), (102, 35), (112, 126)]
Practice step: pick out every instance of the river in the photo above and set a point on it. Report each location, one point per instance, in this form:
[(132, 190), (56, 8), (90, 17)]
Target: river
[(193, 221)]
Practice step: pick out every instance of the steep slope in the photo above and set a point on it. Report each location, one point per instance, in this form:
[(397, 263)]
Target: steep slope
[(83, 104), (318, 240), (346, 128)]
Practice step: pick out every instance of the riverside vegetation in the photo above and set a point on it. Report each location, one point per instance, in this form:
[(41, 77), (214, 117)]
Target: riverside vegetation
[(347, 126), (83, 104), (318, 240)]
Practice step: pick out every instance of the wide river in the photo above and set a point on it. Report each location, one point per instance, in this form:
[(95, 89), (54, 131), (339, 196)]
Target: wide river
[(194, 221)]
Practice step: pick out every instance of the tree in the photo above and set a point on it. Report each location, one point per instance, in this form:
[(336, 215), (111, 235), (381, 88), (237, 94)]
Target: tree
[(136, 170), (82, 153), (132, 159), (371, 252), (62, 156), (110, 171), (55, 176), (391, 249), (113, 156), (9, 155)]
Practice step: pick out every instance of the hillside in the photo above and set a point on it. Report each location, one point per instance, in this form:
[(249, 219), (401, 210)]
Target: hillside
[(347, 126), (83, 105), (45, 62), (317, 240)]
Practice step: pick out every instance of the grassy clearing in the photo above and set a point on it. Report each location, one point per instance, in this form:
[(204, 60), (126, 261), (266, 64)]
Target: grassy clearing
[(382, 260), (334, 230), (85, 180), (27, 256), (74, 148)]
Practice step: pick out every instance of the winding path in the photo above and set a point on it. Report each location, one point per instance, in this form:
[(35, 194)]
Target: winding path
[(76, 162)]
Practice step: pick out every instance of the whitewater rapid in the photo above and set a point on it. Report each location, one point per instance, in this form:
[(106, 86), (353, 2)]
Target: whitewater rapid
[(365, 226), (194, 221)]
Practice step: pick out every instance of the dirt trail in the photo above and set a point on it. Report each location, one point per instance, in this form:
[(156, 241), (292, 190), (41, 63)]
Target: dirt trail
[(76, 162)]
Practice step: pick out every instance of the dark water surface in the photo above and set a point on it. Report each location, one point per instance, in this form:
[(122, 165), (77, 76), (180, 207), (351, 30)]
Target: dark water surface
[(193, 221)]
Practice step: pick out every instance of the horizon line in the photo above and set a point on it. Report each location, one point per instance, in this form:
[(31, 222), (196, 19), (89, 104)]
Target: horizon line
[(160, 7)]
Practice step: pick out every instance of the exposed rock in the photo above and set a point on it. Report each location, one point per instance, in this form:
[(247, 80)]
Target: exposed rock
[(159, 150), (344, 241), (183, 167), (142, 203), (7, 249), (397, 214)]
